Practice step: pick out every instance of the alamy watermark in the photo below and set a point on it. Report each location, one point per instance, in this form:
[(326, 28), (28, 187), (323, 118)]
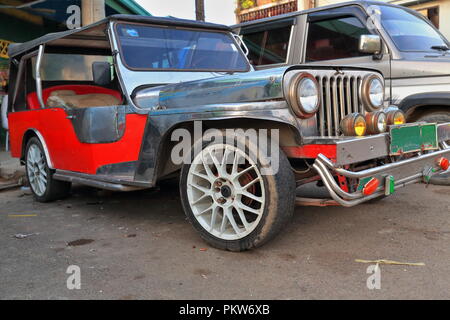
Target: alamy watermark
[(260, 145), (74, 280), (374, 280), (373, 22)]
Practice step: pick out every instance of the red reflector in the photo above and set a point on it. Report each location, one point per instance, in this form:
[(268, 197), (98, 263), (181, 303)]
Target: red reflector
[(443, 163), (370, 187)]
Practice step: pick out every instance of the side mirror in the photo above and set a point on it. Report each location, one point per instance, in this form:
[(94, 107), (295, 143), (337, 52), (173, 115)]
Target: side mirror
[(370, 43), (101, 73)]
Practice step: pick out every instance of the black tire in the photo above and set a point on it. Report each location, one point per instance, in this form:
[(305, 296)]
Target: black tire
[(53, 189), (278, 209), (436, 116)]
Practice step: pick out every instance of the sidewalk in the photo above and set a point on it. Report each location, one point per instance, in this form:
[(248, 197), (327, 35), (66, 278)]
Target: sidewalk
[(11, 172)]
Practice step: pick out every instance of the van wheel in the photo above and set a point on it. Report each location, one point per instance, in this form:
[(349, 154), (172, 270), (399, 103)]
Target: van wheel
[(229, 201), (436, 117), (39, 175)]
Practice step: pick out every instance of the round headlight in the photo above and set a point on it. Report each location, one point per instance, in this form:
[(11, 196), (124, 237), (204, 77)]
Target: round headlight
[(373, 93), (304, 95), (308, 95), (376, 92), (376, 122), (395, 117), (353, 125)]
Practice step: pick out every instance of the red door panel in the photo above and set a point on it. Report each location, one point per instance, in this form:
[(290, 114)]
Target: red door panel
[(66, 151)]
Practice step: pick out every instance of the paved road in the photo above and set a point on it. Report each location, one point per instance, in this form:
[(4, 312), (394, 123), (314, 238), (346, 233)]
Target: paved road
[(139, 245)]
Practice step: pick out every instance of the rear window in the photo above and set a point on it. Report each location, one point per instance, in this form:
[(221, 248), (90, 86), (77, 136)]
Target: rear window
[(68, 67), (268, 46)]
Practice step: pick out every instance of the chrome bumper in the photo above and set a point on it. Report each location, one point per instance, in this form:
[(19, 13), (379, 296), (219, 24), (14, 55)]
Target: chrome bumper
[(405, 172)]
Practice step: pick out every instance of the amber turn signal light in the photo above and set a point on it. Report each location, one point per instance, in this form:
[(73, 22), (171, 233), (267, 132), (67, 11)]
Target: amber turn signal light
[(353, 125), (395, 117)]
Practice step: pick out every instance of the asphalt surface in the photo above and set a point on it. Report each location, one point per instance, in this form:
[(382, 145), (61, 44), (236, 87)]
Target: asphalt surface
[(140, 246)]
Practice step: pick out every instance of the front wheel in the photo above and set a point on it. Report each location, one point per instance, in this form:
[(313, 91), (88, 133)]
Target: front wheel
[(40, 176), (229, 201)]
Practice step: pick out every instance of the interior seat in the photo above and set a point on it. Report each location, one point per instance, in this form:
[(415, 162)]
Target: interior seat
[(68, 98), (75, 96)]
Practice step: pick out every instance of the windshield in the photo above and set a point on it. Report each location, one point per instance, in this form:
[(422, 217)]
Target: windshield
[(409, 32), (155, 48)]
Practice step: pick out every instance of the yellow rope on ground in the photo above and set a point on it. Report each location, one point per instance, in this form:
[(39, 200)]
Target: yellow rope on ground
[(383, 261)]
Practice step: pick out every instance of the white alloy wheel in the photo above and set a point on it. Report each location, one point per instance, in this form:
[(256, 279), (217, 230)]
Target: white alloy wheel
[(225, 191), (36, 169), (40, 178)]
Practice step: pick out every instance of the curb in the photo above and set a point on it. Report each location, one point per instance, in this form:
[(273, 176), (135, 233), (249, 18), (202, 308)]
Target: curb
[(12, 174)]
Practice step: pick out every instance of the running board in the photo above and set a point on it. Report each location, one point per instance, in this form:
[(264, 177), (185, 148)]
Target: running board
[(92, 181)]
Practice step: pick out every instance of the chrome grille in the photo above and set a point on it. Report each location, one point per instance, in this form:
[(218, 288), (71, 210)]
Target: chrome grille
[(340, 96)]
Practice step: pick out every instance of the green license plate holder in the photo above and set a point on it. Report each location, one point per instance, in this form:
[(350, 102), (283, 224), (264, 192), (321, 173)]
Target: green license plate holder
[(412, 138)]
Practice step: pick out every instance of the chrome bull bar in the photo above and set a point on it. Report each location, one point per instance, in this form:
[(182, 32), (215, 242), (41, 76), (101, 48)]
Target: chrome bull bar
[(417, 165)]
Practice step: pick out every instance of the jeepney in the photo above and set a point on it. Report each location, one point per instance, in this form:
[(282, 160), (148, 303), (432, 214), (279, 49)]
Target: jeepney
[(106, 106)]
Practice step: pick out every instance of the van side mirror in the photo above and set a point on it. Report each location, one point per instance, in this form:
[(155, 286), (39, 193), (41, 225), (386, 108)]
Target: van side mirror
[(370, 43), (101, 73)]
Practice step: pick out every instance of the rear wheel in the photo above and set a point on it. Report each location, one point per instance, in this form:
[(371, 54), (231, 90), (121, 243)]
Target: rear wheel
[(40, 176), (230, 202)]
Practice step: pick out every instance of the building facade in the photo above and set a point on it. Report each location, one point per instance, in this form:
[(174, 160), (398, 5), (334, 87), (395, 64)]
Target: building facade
[(437, 11), (248, 10)]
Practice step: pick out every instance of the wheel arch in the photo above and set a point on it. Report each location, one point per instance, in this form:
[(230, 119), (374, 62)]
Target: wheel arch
[(287, 133), (30, 133), (418, 104)]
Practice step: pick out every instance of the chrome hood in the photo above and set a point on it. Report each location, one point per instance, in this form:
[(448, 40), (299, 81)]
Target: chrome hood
[(237, 88)]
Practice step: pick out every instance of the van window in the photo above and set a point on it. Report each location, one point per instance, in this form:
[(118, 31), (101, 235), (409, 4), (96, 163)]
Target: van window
[(334, 39), (269, 46), (409, 32)]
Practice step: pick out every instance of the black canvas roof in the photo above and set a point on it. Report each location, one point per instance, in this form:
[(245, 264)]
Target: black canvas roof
[(19, 48)]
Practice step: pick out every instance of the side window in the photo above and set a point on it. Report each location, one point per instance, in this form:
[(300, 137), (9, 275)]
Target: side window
[(268, 46), (334, 39), (69, 67)]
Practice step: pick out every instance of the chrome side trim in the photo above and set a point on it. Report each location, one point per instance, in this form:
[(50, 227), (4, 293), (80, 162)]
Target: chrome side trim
[(44, 145), (91, 181)]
